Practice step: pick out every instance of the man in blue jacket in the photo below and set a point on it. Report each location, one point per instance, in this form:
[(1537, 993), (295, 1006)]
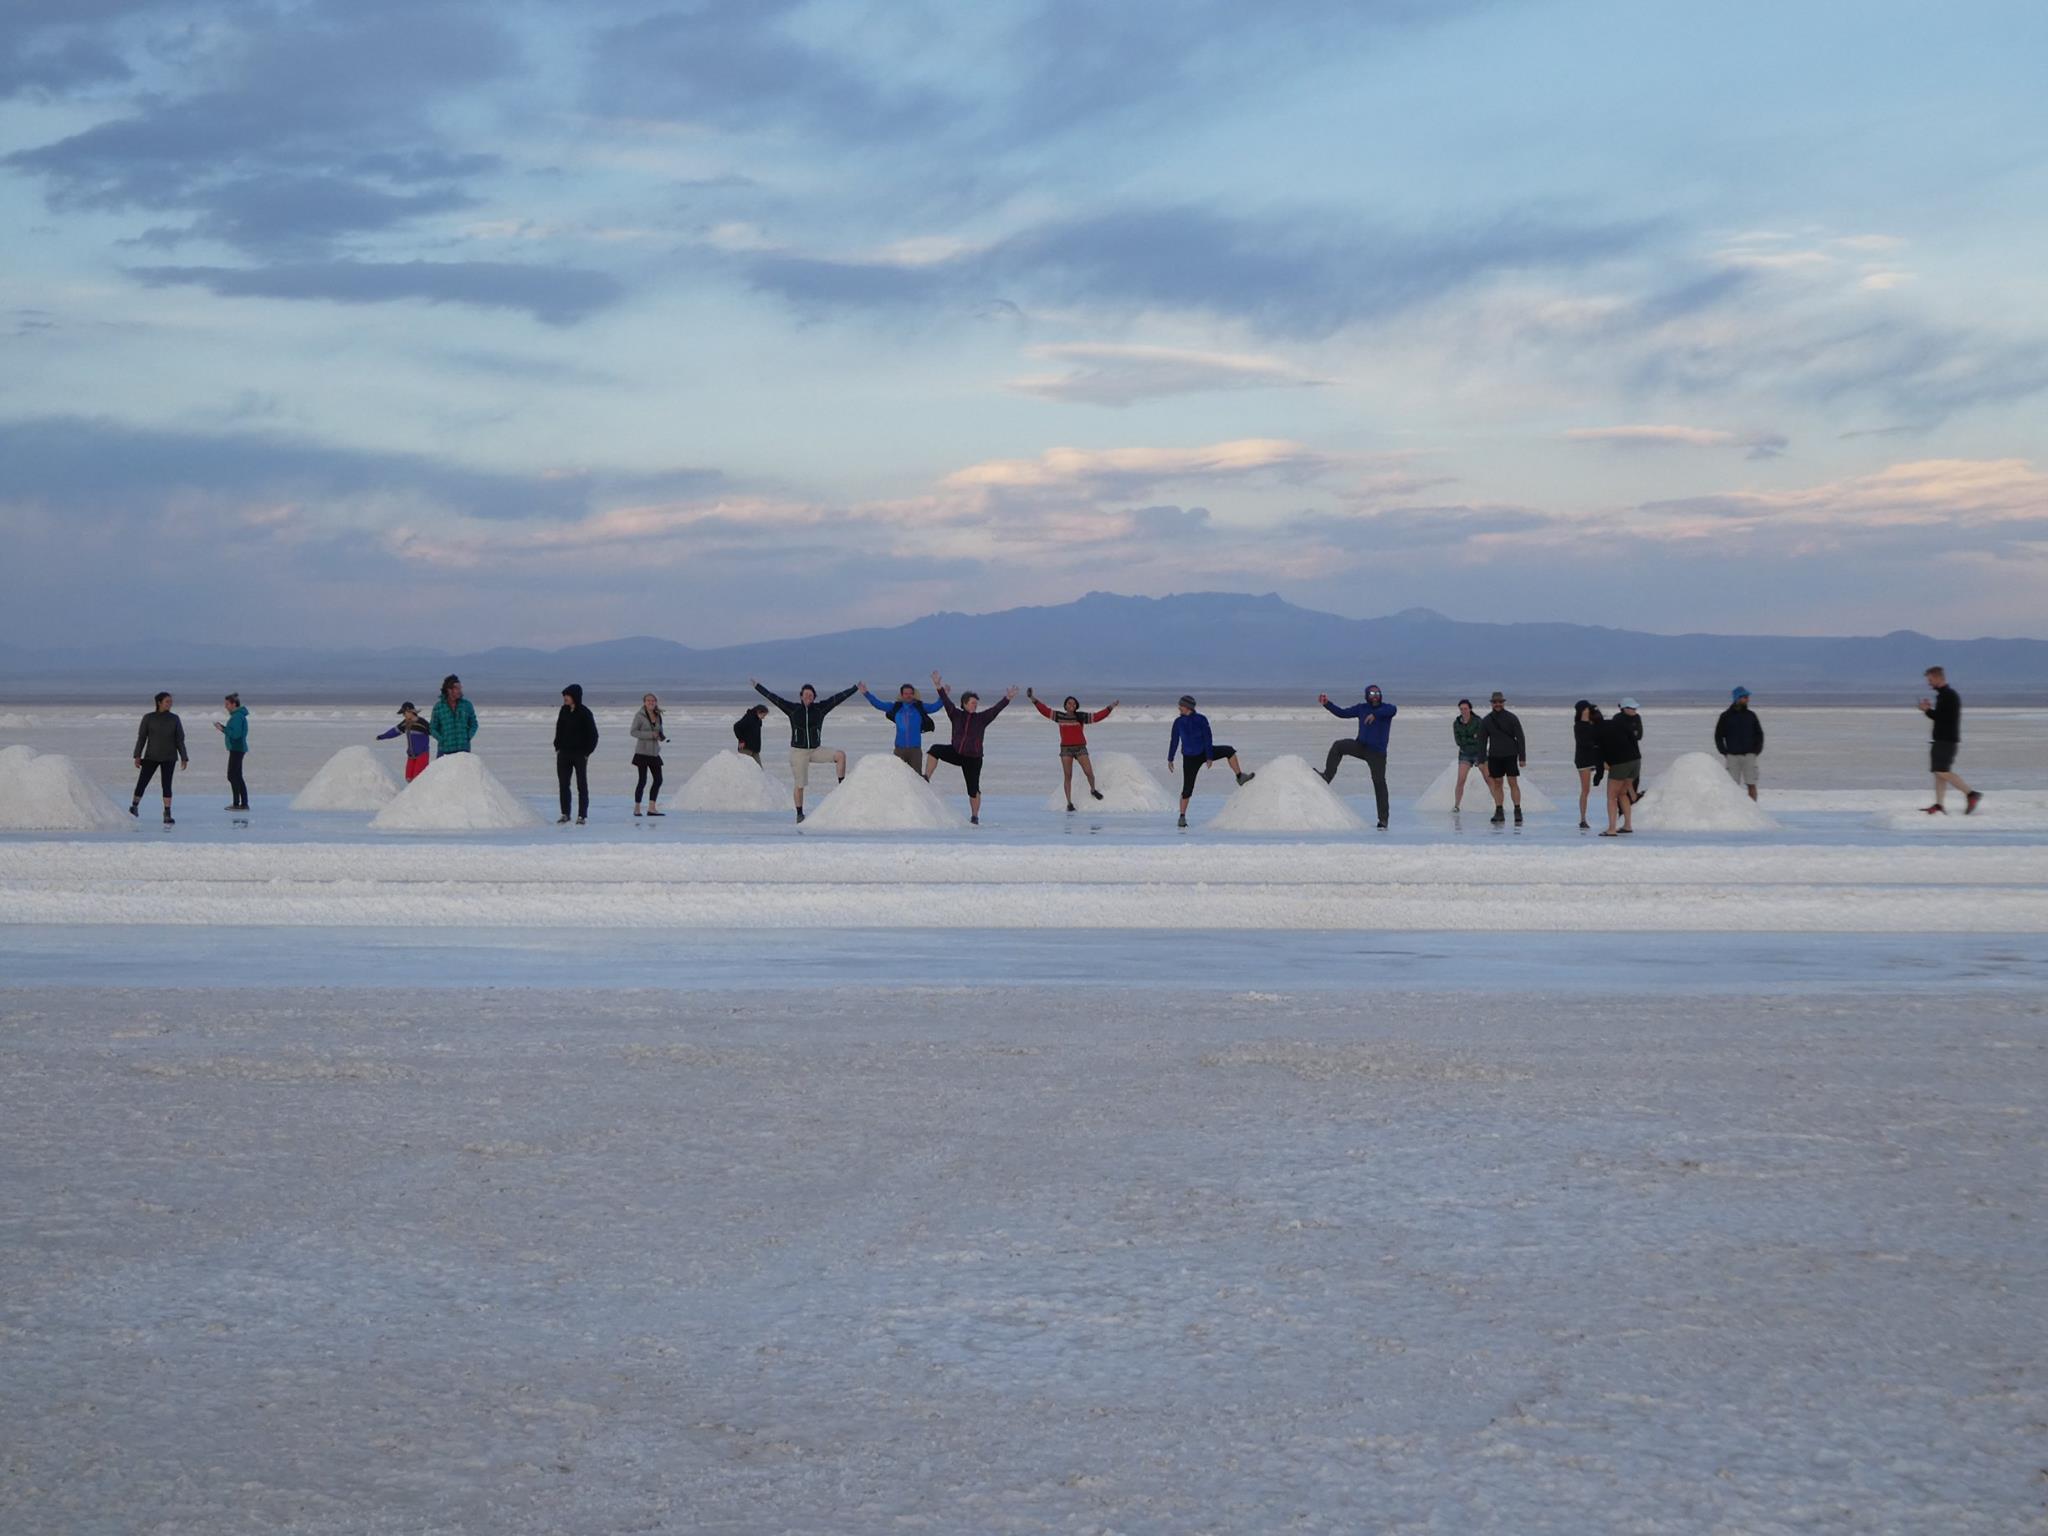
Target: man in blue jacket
[(912, 717), (1375, 716), (1197, 747)]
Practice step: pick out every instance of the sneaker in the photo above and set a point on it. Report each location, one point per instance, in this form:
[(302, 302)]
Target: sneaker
[(1183, 820), (1070, 807), (1095, 794), (799, 813), (1383, 826), (1585, 826), (167, 820), (1499, 816), (580, 820), (655, 810), (1970, 802), (1518, 815), (1935, 810), (561, 821), (1246, 778), (974, 821), (134, 808), (1456, 809)]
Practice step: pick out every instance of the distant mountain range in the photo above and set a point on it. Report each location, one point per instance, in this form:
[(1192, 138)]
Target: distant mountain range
[(1198, 641)]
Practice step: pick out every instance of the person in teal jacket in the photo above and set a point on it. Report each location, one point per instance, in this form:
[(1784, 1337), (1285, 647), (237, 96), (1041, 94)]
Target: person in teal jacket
[(234, 734), (453, 725), (912, 717)]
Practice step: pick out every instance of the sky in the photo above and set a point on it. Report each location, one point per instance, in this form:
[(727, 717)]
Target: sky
[(392, 322)]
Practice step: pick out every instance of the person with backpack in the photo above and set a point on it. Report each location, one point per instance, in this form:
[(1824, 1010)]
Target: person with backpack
[(912, 717), (969, 721), (419, 739), (1468, 735), (234, 733), (1375, 719), (453, 725), (575, 741), (1739, 738), (806, 726), (1587, 725), (159, 752), (1945, 709), (1197, 748), (648, 736), (1073, 722), (1507, 754)]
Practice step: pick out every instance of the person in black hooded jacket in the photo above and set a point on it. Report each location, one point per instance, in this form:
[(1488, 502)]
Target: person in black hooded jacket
[(575, 740), (1587, 725)]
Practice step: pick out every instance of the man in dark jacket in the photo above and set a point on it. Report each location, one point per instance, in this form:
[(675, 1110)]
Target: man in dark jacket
[(575, 740), (747, 731), (1375, 719), (1945, 709), (1739, 738), (1507, 754), (159, 749), (806, 723)]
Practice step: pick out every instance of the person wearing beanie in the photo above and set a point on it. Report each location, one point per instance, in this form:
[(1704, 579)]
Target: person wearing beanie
[(1073, 722), (1507, 754), (234, 732), (806, 725), (1375, 719), (1739, 738), (453, 725), (575, 740), (159, 751), (1587, 725), (648, 735), (1196, 746), (419, 739)]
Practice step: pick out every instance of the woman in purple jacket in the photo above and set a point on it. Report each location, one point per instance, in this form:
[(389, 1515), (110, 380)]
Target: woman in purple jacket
[(970, 721)]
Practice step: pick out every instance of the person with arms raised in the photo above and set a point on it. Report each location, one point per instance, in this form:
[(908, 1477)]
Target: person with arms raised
[(806, 731), (1073, 722), (1375, 719), (912, 717), (969, 721)]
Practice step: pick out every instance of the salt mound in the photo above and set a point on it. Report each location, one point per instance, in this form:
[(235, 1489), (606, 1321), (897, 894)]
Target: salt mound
[(731, 781), (457, 793), (11, 721), (1695, 794), (1444, 788), (1287, 796), (883, 794), (1126, 783), (47, 793), (354, 779)]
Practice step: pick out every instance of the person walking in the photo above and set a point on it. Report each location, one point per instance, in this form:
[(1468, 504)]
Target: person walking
[(806, 727), (159, 752), (969, 722), (1469, 736), (419, 739), (1375, 719), (648, 736), (746, 731), (234, 733), (1739, 738), (1945, 709), (1587, 725), (1197, 747), (1073, 722), (575, 740), (912, 717), (1621, 754), (453, 724), (1507, 754)]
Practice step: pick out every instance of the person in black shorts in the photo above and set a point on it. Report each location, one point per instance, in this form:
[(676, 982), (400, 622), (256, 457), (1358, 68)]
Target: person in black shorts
[(1197, 748), (1507, 754), (1945, 709)]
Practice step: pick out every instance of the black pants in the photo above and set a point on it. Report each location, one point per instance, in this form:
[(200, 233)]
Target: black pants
[(1190, 766), (970, 768), (235, 781), (577, 763), (149, 769), (1376, 761), (647, 766)]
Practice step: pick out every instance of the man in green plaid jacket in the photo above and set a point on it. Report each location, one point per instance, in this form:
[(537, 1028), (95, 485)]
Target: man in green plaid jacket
[(454, 722)]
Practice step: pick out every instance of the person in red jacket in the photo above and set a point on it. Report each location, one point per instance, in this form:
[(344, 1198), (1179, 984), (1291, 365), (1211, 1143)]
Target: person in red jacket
[(1073, 722)]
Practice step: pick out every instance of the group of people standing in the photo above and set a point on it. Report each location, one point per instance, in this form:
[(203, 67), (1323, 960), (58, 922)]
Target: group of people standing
[(1604, 747)]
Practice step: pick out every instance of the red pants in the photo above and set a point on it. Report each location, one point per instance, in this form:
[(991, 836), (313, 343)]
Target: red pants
[(415, 766)]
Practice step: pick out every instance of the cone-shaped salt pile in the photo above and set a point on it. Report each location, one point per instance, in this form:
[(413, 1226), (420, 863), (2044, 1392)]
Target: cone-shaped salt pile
[(42, 792), (1287, 796), (354, 779), (456, 794), (883, 794), (1444, 788), (1127, 786), (1695, 794), (733, 781)]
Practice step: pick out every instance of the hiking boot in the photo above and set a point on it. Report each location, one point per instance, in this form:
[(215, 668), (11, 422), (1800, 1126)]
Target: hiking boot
[(1499, 816), (799, 813), (1934, 810), (1246, 778), (1518, 815), (167, 820), (1970, 803)]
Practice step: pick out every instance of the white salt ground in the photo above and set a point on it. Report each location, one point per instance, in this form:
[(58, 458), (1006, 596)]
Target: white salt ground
[(354, 779), (1695, 794), (43, 792), (1286, 796), (457, 793), (883, 794), (731, 781), (1127, 785), (1443, 789), (1994, 813)]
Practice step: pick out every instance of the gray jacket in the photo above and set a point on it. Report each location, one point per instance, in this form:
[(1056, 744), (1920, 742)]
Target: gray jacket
[(1502, 735), (160, 738), (647, 735)]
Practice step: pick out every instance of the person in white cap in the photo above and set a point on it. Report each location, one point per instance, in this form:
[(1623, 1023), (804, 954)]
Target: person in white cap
[(1631, 715)]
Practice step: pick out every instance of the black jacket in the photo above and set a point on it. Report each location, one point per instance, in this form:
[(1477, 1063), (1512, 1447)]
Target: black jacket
[(747, 732), (1502, 736), (806, 721), (1586, 743), (576, 731), (1947, 714), (160, 738), (1738, 733), (1620, 740)]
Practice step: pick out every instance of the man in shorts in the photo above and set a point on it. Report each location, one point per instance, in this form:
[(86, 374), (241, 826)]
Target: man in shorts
[(806, 725), (1739, 738), (1945, 709), (1507, 754)]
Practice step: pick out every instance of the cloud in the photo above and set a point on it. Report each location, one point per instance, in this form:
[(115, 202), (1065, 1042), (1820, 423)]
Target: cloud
[(1760, 445), (1131, 472), (1999, 497), (553, 295), (1102, 373)]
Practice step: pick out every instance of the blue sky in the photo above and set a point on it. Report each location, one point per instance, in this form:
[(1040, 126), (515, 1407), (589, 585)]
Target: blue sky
[(470, 324)]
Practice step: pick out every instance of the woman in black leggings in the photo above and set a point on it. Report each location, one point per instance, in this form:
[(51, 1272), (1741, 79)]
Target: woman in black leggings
[(159, 750)]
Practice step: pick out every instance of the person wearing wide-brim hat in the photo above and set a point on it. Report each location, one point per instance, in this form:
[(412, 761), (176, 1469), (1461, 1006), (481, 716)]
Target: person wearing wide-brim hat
[(1507, 754)]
